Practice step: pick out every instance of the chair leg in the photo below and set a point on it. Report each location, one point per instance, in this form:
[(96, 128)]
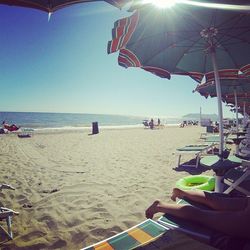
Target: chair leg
[(197, 161), (8, 232), (179, 160), (8, 220)]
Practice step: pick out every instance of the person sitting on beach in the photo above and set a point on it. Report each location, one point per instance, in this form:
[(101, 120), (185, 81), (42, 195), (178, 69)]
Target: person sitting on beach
[(151, 124), (11, 128), (145, 123), (182, 125), (228, 215)]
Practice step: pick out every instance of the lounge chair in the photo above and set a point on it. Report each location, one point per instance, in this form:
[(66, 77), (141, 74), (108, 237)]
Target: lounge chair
[(205, 235), (212, 138), (192, 229), (147, 232), (238, 179), (6, 215), (197, 150)]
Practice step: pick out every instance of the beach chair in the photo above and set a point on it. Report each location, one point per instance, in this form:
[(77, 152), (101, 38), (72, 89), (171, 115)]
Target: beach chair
[(216, 139), (198, 150), (148, 233), (205, 235), (212, 138), (194, 230), (238, 179), (6, 216)]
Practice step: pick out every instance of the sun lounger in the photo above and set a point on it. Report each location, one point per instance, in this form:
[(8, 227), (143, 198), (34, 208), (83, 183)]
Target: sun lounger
[(212, 138), (238, 179), (197, 150), (192, 229), (147, 232), (205, 235), (6, 216)]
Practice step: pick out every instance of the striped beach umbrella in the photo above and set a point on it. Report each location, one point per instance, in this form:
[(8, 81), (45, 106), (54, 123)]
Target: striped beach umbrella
[(195, 40), (51, 6), (234, 87)]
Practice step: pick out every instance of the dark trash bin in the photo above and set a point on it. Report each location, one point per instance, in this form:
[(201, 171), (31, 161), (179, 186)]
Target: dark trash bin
[(95, 129), (210, 129)]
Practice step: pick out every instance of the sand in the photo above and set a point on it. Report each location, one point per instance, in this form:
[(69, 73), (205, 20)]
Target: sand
[(74, 189)]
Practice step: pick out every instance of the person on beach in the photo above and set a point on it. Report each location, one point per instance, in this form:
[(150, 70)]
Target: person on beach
[(228, 215), (151, 123), (11, 128)]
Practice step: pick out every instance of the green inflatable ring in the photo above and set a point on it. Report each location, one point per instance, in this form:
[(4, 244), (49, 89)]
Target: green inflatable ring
[(202, 182)]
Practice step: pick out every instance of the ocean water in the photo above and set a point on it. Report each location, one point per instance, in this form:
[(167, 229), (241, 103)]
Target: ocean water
[(39, 120)]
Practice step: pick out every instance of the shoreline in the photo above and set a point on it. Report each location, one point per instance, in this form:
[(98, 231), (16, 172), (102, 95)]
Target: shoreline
[(68, 129)]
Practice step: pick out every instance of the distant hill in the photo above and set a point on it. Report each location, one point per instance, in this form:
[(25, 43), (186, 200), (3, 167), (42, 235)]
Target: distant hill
[(196, 116)]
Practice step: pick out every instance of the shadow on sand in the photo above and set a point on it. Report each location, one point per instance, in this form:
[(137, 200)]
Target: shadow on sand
[(192, 170)]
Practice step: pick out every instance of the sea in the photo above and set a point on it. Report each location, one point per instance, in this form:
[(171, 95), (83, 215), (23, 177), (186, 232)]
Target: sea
[(42, 120)]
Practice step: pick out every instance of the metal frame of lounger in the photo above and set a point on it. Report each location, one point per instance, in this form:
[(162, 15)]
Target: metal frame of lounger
[(198, 153), (8, 213), (136, 236), (235, 177)]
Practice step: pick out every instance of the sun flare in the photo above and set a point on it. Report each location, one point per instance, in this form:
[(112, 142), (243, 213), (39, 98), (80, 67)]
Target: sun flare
[(162, 4)]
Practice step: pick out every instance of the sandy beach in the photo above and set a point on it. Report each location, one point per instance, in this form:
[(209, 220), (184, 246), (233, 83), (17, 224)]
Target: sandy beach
[(74, 189)]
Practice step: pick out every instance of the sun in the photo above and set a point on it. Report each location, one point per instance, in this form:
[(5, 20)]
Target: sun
[(162, 4)]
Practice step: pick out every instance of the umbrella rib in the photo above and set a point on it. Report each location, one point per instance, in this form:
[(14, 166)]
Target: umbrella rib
[(159, 51), (187, 51), (154, 35), (238, 19), (231, 19), (230, 55), (235, 37)]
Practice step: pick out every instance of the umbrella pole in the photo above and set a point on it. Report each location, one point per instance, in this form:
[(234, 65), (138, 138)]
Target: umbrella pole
[(244, 111), (219, 101), (236, 110), (218, 178), (237, 119)]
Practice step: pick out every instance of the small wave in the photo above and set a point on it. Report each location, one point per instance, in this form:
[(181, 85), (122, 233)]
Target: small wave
[(70, 128)]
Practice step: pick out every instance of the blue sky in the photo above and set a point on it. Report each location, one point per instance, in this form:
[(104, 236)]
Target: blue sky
[(63, 66)]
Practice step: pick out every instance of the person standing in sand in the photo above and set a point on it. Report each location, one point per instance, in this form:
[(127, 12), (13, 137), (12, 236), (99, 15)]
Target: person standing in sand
[(151, 123), (228, 215), (159, 122)]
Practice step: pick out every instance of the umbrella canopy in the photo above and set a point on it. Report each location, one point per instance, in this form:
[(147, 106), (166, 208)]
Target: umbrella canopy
[(233, 87), (185, 40), (229, 87), (52, 5)]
